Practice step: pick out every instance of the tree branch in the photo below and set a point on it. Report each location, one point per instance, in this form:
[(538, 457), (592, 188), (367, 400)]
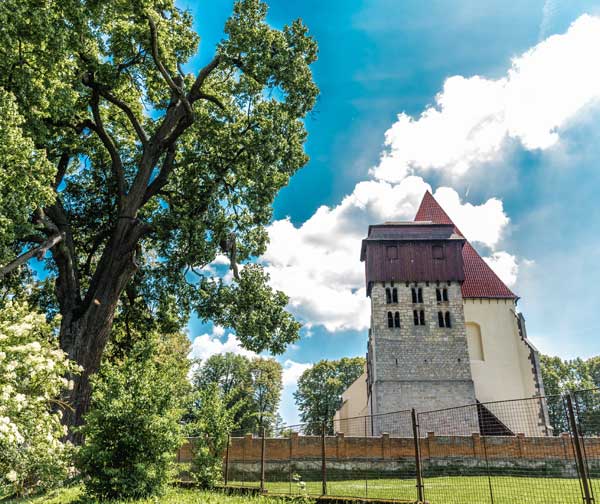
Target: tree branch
[(61, 169), (38, 251), (98, 127), (161, 179), (163, 71), (141, 133), (195, 92)]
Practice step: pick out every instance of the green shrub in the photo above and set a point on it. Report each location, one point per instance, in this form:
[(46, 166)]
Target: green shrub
[(33, 455), (132, 430), (212, 421)]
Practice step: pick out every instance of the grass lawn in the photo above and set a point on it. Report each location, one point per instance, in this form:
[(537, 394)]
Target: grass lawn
[(75, 495), (440, 490), (452, 490)]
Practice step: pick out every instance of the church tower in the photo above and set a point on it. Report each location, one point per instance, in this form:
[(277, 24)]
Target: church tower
[(417, 354)]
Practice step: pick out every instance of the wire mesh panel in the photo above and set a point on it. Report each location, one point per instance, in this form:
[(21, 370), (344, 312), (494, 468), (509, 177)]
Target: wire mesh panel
[(293, 461), (587, 408), (511, 455), (243, 465)]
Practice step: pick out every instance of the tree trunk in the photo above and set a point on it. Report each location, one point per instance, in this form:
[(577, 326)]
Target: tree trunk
[(85, 329)]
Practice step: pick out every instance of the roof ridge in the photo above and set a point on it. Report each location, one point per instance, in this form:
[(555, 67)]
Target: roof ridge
[(481, 281)]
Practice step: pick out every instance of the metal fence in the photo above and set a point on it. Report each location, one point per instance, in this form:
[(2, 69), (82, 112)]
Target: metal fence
[(537, 451)]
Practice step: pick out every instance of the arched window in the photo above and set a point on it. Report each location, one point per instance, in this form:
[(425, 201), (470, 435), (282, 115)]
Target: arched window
[(413, 291), (474, 341), (390, 319), (420, 295), (397, 319), (422, 317), (394, 295), (438, 295), (445, 294), (440, 319), (447, 319), (416, 317), (388, 295)]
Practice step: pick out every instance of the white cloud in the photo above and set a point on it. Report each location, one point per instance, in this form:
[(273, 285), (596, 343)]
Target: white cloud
[(318, 266), (505, 266), (473, 117), (292, 372), (206, 345)]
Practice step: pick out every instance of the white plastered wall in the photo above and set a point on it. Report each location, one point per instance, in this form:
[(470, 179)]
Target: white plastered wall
[(506, 371)]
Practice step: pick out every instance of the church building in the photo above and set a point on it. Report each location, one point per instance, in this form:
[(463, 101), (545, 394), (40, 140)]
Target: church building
[(445, 330)]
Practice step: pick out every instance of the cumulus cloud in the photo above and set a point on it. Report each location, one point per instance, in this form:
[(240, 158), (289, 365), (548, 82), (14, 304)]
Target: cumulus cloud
[(206, 345), (292, 371), (505, 266), (317, 264), (473, 118)]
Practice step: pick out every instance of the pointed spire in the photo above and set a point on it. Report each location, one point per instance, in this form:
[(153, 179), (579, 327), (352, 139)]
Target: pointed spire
[(480, 279)]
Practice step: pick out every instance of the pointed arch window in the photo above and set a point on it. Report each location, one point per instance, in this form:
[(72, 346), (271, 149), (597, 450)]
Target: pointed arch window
[(444, 319), (416, 317), (397, 319), (388, 295), (394, 295), (441, 319), (390, 319), (447, 319), (420, 295), (422, 317)]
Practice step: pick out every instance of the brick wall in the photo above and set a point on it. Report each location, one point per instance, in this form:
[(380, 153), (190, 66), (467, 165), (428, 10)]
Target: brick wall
[(248, 448)]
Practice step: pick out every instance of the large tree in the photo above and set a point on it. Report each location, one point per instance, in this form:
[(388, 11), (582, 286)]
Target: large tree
[(250, 387), (320, 389), (155, 171)]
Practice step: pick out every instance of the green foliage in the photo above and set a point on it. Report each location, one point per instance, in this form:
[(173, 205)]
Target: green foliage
[(26, 178), (563, 376), (173, 189), (133, 427), (33, 455), (212, 422), (320, 389), (250, 388)]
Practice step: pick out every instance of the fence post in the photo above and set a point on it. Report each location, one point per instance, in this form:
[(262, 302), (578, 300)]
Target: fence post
[(415, 428), (323, 463), (581, 464), (262, 462), (227, 460)]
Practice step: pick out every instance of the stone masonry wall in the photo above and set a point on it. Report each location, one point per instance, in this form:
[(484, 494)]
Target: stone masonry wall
[(426, 366)]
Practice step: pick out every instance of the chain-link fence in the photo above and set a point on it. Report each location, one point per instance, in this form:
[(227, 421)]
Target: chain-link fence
[(534, 451)]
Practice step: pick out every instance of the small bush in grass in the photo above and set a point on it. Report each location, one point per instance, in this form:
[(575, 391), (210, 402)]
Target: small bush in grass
[(132, 430), (33, 455)]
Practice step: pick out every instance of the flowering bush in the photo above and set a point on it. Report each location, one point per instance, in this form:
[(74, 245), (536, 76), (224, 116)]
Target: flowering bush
[(32, 370)]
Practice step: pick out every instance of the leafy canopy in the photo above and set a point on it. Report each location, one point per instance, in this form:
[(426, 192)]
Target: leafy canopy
[(250, 388), (105, 136), (320, 389)]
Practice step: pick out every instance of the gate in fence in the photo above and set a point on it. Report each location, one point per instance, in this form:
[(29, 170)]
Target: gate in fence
[(538, 450)]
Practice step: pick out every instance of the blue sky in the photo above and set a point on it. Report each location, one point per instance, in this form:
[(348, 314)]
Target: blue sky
[(522, 184)]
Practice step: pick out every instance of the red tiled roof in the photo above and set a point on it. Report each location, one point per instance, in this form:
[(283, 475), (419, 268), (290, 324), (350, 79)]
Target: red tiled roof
[(480, 279)]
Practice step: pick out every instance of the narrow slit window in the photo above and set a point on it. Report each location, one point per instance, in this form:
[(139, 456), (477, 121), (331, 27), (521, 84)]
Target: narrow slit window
[(394, 295), (416, 317), (422, 317), (420, 295), (440, 319), (438, 295), (445, 294), (397, 319), (413, 291), (388, 295), (390, 319), (447, 317)]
